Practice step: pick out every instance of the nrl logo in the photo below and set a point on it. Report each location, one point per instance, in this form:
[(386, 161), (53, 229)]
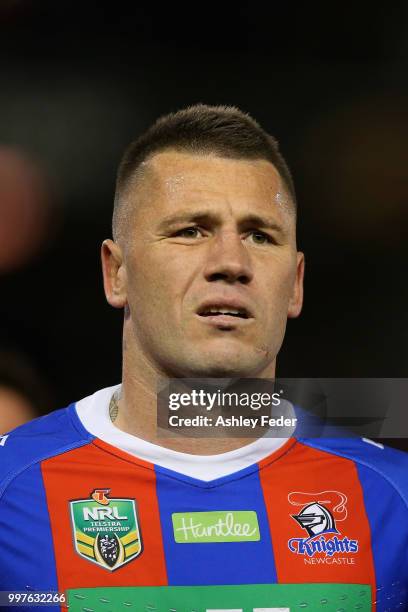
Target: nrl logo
[(106, 530)]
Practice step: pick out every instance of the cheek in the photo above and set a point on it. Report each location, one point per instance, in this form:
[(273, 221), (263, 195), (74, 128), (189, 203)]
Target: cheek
[(279, 278), (277, 293), (286, 283), (158, 284)]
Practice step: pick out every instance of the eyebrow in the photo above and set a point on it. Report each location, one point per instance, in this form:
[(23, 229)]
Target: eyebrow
[(202, 216)]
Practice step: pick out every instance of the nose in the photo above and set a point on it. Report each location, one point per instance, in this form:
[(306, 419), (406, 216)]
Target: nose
[(228, 259)]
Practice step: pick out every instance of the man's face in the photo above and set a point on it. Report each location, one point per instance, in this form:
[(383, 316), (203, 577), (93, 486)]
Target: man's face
[(210, 266)]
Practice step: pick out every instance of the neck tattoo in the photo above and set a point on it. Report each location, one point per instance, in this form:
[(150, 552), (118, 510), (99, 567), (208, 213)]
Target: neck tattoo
[(113, 408)]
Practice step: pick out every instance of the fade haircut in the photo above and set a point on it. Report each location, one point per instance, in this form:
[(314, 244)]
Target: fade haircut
[(224, 131)]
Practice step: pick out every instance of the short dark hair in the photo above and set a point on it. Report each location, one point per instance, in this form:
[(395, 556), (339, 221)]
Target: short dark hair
[(223, 130)]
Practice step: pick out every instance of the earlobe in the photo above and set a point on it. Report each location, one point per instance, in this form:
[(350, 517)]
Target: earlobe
[(114, 274), (296, 301)]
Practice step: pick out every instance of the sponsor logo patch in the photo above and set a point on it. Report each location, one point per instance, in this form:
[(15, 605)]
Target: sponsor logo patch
[(217, 526), (106, 530), (319, 516)]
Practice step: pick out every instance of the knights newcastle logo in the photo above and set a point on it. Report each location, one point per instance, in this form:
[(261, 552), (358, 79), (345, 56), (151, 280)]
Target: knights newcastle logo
[(319, 522), (106, 530)]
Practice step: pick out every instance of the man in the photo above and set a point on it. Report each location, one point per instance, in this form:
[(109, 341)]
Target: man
[(95, 503)]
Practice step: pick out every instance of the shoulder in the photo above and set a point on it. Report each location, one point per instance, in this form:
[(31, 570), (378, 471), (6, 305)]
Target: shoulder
[(383, 463), (39, 439)]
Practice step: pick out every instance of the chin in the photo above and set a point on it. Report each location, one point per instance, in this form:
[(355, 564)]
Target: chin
[(220, 372), (224, 366), (216, 360)]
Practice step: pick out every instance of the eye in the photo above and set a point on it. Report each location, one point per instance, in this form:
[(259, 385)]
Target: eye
[(189, 232), (259, 237)]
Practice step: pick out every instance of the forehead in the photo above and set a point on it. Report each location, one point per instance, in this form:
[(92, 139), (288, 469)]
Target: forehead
[(170, 179)]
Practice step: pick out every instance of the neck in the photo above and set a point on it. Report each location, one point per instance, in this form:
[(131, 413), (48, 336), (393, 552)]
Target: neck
[(135, 411)]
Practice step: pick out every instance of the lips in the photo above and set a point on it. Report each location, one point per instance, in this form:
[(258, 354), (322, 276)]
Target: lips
[(220, 310), (224, 310)]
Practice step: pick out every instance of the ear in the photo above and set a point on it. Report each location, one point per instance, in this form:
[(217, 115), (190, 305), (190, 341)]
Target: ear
[(296, 300), (114, 274)]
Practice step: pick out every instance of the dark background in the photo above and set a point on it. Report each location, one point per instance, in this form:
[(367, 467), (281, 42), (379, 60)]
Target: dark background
[(79, 81)]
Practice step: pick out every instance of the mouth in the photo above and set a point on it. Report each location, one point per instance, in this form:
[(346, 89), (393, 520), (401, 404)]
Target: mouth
[(224, 315), (216, 311)]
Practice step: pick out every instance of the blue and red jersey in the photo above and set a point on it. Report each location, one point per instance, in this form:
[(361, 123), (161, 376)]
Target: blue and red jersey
[(318, 524)]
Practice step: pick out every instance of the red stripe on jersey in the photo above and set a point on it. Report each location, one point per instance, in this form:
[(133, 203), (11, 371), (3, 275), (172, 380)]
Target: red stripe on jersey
[(74, 476), (309, 476)]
